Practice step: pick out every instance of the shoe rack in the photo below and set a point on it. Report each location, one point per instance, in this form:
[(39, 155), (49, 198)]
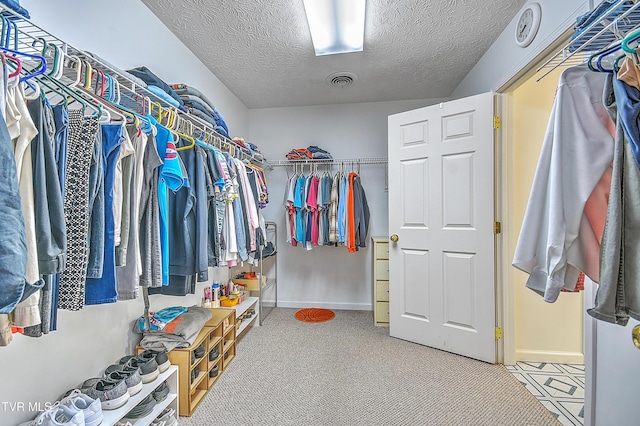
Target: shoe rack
[(112, 417), (197, 375)]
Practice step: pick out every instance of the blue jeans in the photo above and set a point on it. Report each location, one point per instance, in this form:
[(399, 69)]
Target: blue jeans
[(103, 290), (13, 247)]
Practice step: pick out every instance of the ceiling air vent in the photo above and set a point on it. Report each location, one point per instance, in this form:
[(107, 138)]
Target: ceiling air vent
[(341, 79)]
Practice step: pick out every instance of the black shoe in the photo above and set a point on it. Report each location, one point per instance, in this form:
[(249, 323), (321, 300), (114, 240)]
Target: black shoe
[(214, 372), (199, 351), (214, 354)]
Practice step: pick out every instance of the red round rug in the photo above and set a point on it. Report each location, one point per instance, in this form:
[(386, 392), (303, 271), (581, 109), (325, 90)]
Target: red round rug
[(315, 315)]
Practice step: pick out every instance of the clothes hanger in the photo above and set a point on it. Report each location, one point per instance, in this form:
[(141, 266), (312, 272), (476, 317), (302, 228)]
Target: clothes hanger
[(17, 62)]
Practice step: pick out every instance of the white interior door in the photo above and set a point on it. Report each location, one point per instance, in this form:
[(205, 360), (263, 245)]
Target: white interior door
[(441, 207)]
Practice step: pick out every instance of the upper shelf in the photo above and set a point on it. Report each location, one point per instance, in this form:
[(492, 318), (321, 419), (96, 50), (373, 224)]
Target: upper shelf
[(613, 25), (30, 39)]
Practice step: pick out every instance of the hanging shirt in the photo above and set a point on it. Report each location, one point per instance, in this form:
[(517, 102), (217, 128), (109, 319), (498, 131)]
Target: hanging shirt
[(171, 177), (333, 209), (27, 312), (556, 239)]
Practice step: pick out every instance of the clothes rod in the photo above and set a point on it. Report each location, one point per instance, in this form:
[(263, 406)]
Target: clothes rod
[(334, 161)]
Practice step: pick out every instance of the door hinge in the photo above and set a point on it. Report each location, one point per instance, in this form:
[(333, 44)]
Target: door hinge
[(497, 122), (497, 229), (498, 333)]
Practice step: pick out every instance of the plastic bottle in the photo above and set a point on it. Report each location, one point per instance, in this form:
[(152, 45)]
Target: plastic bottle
[(215, 292)]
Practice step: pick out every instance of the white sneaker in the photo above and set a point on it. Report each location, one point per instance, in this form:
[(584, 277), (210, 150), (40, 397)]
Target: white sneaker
[(58, 415), (92, 408)]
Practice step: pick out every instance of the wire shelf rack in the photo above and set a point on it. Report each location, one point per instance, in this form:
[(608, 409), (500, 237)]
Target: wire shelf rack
[(22, 35), (614, 24)]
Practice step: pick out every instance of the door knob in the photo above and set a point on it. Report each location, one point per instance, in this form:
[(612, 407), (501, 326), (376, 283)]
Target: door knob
[(635, 333), (394, 238)]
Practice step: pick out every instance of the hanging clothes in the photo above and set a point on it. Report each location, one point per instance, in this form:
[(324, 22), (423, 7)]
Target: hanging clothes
[(22, 131), (149, 218), (322, 210), (557, 241), (618, 296), (104, 289), (82, 134), (128, 256)]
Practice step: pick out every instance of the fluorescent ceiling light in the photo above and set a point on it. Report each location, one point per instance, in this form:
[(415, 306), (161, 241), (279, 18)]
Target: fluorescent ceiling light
[(337, 26)]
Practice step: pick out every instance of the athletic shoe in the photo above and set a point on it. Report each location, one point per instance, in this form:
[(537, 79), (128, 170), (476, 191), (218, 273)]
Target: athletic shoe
[(214, 354), (143, 409), (133, 381), (214, 372), (132, 376), (195, 373), (92, 408), (199, 351), (161, 358), (58, 415), (111, 394), (161, 392), (168, 416), (148, 367)]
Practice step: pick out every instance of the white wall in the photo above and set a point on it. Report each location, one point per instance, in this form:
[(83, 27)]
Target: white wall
[(329, 277), (126, 34), (504, 59)]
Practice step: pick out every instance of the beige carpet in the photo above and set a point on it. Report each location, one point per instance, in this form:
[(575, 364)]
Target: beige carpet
[(348, 372)]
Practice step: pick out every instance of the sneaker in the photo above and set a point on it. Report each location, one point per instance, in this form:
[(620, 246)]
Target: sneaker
[(161, 358), (132, 380), (92, 408), (199, 351), (132, 376), (58, 415), (214, 372), (214, 354), (143, 409), (111, 394), (161, 392), (194, 374), (148, 367), (193, 358), (168, 416)]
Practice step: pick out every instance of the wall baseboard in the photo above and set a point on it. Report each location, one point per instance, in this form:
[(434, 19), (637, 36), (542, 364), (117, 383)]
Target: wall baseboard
[(550, 356), (327, 305)]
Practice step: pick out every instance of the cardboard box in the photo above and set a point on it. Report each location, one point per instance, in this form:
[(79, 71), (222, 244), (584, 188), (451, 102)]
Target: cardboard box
[(250, 285)]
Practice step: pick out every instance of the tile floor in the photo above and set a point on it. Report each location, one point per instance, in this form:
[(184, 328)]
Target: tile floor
[(559, 387)]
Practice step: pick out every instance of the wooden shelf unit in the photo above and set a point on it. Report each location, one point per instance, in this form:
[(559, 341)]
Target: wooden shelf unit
[(219, 332), (380, 264)]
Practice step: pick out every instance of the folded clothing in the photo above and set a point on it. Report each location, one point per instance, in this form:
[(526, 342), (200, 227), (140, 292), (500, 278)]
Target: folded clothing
[(151, 79), (299, 154), (318, 153), (587, 24), (159, 320), (15, 6)]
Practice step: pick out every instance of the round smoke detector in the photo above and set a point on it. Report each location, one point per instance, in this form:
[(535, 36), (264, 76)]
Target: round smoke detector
[(341, 79)]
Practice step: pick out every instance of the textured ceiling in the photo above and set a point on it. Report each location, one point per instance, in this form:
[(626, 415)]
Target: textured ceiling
[(262, 51)]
